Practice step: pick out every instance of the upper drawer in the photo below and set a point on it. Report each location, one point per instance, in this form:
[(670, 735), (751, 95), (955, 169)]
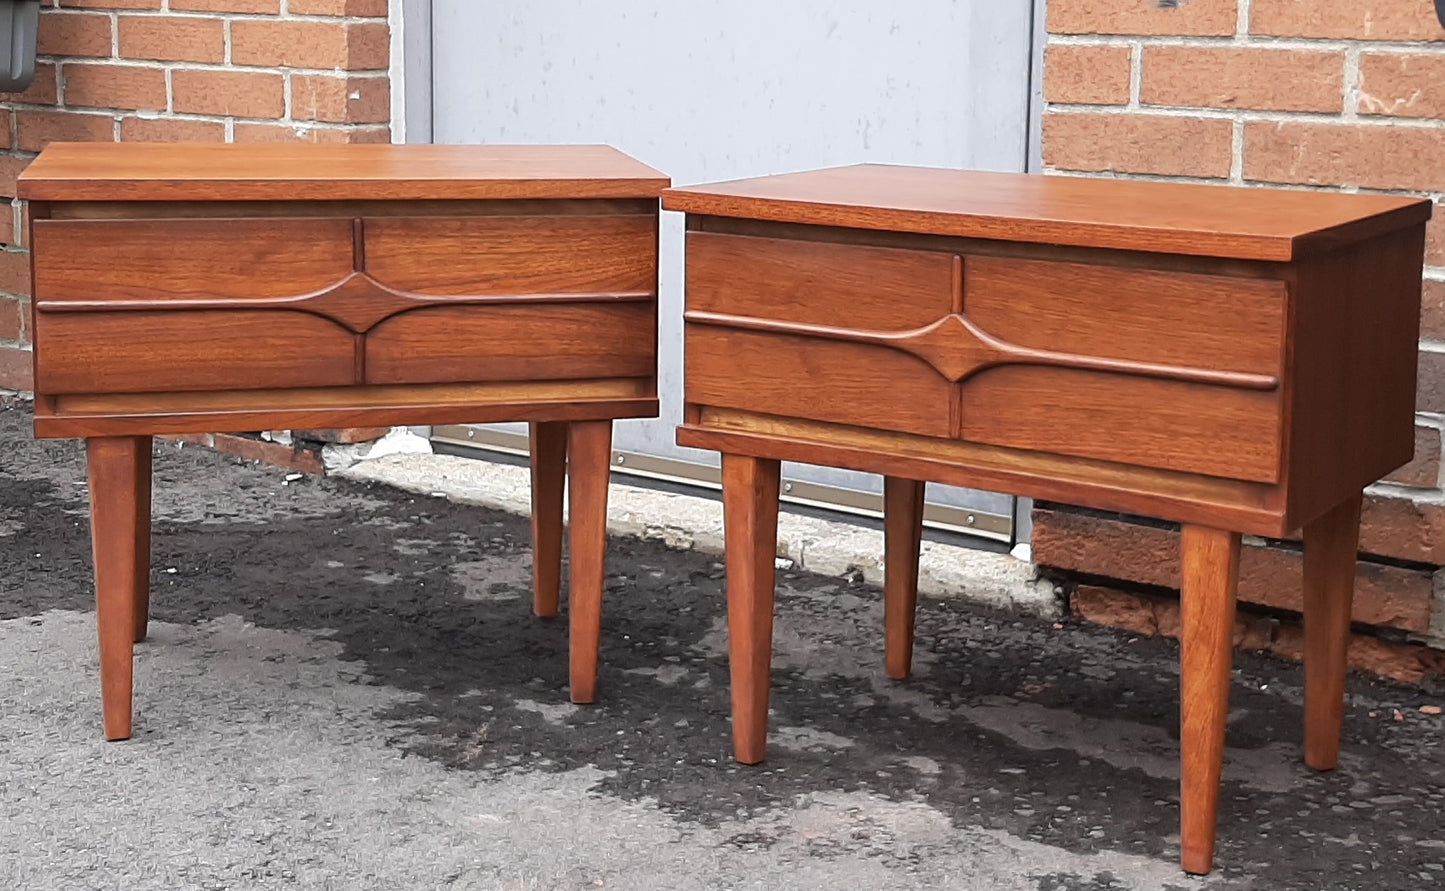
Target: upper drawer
[(819, 283), (1209, 322), (168, 260), (543, 254)]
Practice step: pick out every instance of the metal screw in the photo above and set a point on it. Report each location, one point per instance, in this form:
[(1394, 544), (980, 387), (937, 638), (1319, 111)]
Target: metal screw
[(621, 459), (970, 519), (787, 487)]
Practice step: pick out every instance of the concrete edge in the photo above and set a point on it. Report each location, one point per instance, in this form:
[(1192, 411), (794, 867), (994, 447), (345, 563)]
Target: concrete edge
[(822, 546)]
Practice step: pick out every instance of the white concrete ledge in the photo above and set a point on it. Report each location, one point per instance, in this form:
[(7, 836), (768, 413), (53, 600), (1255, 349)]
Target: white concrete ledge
[(822, 546)]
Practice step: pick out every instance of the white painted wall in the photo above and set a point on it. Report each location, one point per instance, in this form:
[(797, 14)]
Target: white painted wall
[(720, 89)]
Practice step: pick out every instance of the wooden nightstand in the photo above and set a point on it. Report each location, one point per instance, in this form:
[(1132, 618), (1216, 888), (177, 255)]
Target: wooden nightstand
[(1237, 360), (198, 288)]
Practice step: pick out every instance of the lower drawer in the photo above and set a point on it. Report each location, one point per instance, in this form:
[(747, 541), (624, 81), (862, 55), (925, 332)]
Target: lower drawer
[(134, 352), (513, 343), (1126, 419)]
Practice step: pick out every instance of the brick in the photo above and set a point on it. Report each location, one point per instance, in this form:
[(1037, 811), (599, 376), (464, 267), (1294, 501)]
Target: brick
[(1404, 527), (249, 94), (73, 34), (1430, 382), (1157, 616), (1435, 237), (343, 100), (172, 38), (17, 366), (1423, 471), (1136, 143), (1432, 310), (1192, 18), (113, 4), (378, 135), (1152, 614), (1330, 154), (1269, 576), (300, 131), (12, 318), (43, 90), (309, 44), (8, 235), (15, 272), (1090, 75), (1230, 77), (253, 6), (1348, 19), (1402, 85), (135, 129), (6, 135), (114, 86), (353, 8), (10, 168), (37, 129), (245, 448)]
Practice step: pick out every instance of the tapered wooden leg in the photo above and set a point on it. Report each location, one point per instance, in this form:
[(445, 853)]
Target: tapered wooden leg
[(549, 480), (750, 520), (1210, 573), (589, 446), (142, 538), (902, 537), (118, 513), (1331, 545)]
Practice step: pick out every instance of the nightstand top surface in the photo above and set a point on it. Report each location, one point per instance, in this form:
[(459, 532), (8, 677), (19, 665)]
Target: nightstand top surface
[(269, 172), (1245, 223)]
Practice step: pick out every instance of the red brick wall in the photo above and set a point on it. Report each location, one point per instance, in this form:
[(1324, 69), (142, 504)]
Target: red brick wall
[(192, 70), (1328, 94)]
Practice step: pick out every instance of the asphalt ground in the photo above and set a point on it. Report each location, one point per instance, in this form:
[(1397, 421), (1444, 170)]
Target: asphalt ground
[(344, 688)]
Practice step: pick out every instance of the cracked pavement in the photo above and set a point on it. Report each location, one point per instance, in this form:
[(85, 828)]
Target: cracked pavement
[(344, 687)]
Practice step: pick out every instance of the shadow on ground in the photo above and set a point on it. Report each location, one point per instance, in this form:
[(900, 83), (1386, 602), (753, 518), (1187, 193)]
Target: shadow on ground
[(1039, 756)]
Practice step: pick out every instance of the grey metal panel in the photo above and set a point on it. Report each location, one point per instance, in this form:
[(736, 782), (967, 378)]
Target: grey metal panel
[(720, 89)]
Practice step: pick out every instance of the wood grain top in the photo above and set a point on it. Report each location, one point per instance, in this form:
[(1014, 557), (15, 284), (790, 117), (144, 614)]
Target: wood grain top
[(218, 172), (1205, 220)]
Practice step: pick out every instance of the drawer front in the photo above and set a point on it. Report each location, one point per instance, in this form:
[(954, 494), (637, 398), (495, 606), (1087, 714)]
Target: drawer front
[(134, 352), (1171, 425), (196, 260), (1171, 318), (1192, 365), (512, 343), (845, 383), (819, 283), (490, 255)]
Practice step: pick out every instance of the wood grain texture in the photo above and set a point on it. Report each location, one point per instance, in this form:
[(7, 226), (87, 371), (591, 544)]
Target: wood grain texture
[(177, 351), (552, 254), (810, 378), (1207, 605), (240, 410), (1254, 508), (1193, 428), (187, 260), (513, 343), (142, 537), (113, 465), (750, 520), (1355, 322), (548, 459), (589, 462), (818, 283), (1177, 218), (902, 537), (1331, 543), (1152, 316), (291, 172)]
